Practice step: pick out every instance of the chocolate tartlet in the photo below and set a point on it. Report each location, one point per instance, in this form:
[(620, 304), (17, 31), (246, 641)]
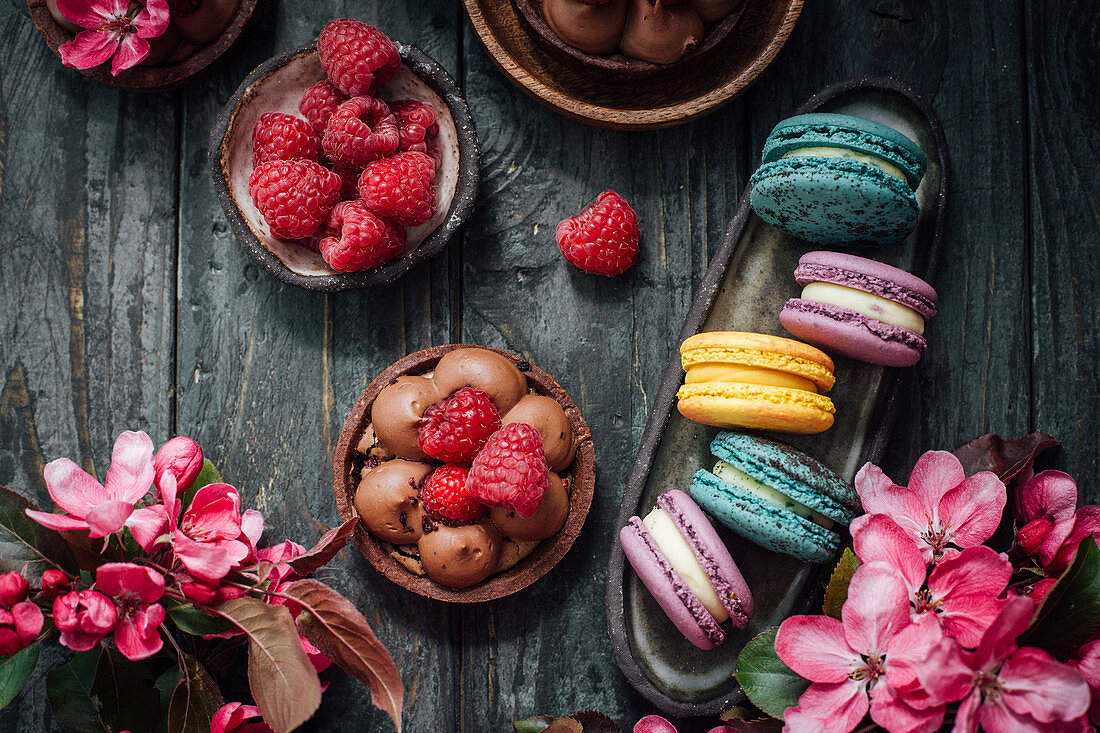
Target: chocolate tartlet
[(379, 480)]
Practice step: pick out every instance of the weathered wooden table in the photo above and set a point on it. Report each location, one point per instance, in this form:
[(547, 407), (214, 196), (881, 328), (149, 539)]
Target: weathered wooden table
[(125, 302)]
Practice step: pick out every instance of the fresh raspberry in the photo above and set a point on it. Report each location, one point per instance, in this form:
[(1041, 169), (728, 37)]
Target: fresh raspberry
[(356, 57), (294, 196), (445, 498), (603, 238), (401, 188), (349, 174), (361, 239), (455, 429), (361, 130), (319, 102), (510, 471), (277, 136), (416, 123)]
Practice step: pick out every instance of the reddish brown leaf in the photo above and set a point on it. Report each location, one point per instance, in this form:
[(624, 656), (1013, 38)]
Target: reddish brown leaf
[(1006, 458), (280, 675), (337, 628), (195, 700), (326, 548)]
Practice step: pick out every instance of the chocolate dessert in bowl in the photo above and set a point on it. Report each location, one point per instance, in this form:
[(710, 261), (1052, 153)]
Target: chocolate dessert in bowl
[(471, 471)]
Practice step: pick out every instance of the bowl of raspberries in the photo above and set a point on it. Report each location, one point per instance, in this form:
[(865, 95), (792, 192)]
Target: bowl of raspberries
[(342, 165)]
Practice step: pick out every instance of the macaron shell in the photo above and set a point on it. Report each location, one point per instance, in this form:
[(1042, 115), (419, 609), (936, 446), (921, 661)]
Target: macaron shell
[(712, 554), (766, 524), (870, 276), (731, 405), (834, 201), (852, 334), (680, 605), (790, 472)]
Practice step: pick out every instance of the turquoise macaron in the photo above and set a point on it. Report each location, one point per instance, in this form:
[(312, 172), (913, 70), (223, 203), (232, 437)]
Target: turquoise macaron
[(776, 496), (839, 180)]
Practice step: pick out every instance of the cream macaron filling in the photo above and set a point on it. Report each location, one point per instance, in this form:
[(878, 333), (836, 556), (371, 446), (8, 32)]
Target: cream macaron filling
[(731, 474), (873, 306), (713, 372), (830, 152), (679, 555)]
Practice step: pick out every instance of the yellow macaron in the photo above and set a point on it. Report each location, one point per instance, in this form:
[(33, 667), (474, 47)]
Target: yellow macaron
[(752, 380)]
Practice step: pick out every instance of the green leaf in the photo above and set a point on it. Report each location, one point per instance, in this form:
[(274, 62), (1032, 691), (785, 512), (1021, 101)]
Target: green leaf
[(1070, 612), (280, 675), (15, 670), (195, 700), (770, 684), (166, 685), (207, 475), (191, 620), (23, 540), (837, 590), (101, 690), (533, 725)]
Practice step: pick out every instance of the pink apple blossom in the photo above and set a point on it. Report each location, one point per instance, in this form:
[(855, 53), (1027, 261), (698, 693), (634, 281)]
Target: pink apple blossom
[(865, 660), (1086, 521), (101, 509), (55, 582), (1087, 662), (19, 625), (657, 724), (115, 28), (135, 589), (234, 717), (279, 555), (83, 618), (940, 507), (1003, 687), (13, 589), (183, 457)]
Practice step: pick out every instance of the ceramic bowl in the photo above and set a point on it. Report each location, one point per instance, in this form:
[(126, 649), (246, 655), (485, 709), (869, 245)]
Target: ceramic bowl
[(169, 75), (276, 86), (582, 474)]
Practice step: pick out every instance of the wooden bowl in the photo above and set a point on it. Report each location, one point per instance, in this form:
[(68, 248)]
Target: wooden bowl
[(149, 78), (617, 63), (276, 86), (548, 552), (669, 97)]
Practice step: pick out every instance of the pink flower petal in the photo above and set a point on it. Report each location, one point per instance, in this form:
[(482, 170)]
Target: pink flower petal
[(936, 473), (828, 708), (180, 456), (60, 522), (890, 710), (109, 517), (131, 52), (1000, 639), (996, 717), (967, 618), (72, 488), (208, 560), (131, 473), (969, 585), (946, 675), (149, 525), (138, 636), (880, 538), (880, 495), (252, 527), (966, 717), (125, 579), (214, 514), (1049, 495), (153, 20), (28, 620), (92, 13), (972, 510), (654, 724), (814, 647), (1035, 684), (908, 651), (876, 609)]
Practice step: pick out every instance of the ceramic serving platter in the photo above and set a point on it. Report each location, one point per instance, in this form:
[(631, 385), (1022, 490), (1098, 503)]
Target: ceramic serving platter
[(746, 285)]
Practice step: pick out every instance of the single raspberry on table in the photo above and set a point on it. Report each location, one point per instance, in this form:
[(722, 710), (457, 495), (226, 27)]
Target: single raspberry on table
[(294, 196), (416, 123), (455, 429), (361, 240), (445, 497), (278, 136), (360, 131), (319, 102), (510, 470), (356, 57), (401, 188), (603, 238)]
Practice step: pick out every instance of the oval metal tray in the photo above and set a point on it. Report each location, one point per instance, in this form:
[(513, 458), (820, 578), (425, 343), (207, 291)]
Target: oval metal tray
[(746, 285)]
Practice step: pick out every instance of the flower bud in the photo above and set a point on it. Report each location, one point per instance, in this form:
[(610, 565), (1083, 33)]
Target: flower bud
[(1032, 535), (201, 593), (28, 620), (9, 642), (13, 589), (228, 593), (1039, 590), (83, 618), (183, 457), (55, 582)]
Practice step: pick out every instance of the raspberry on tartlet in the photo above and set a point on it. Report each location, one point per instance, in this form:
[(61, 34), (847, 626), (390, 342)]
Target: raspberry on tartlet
[(446, 499), (356, 57), (455, 429), (360, 240), (401, 187), (360, 131), (294, 196), (510, 470), (603, 238)]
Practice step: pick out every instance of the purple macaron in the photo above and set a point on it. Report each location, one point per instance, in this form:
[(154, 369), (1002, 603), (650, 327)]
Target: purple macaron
[(670, 590), (850, 323)]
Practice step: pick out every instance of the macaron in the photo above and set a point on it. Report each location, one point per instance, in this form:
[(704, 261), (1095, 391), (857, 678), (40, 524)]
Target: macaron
[(776, 496), (752, 380), (685, 566), (839, 180), (860, 308)]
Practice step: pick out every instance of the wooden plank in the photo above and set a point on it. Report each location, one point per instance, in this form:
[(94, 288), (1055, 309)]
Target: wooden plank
[(87, 210), (1063, 135), (268, 372)]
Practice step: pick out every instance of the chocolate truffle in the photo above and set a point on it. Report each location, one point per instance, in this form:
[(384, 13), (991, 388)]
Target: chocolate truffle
[(592, 28), (396, 412), (387, 500), (659, 33), (493, 374), (459, 557), (547, 416), (714, 10), (549, 518)]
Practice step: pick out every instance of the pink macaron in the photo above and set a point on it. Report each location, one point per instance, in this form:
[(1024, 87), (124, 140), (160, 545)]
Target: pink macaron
[(685, 606), (861, 308)]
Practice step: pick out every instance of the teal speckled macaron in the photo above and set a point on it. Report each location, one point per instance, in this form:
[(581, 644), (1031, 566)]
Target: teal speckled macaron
[(839, 180), (775, 496)]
